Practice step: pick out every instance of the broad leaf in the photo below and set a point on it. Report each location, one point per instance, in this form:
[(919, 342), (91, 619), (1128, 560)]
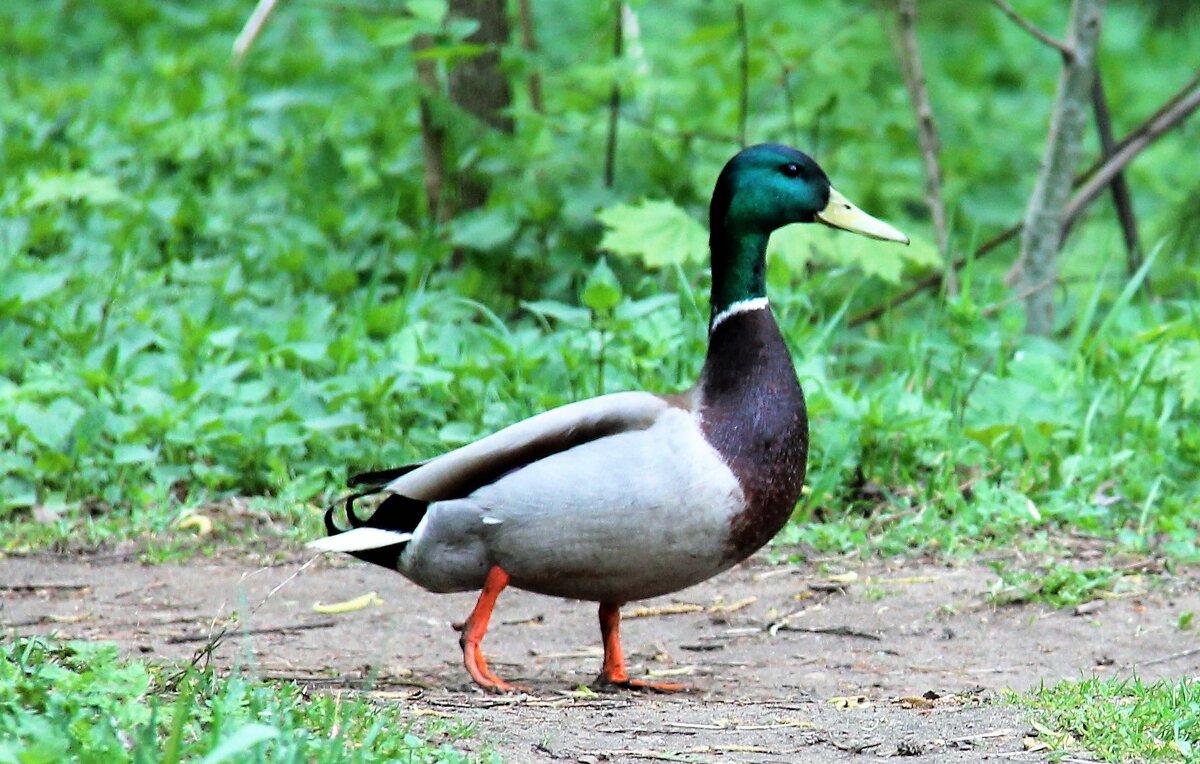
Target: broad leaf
[(659, 233)]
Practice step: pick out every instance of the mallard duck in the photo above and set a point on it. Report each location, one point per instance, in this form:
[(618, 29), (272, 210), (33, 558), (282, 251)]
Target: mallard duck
[(630, 495)]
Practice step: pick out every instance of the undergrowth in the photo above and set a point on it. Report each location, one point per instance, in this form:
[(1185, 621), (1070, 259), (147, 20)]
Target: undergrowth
[(1119, 720), (78, 701), (221, 282)]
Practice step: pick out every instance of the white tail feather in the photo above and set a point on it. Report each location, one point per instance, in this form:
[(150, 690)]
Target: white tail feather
[(359, 539)]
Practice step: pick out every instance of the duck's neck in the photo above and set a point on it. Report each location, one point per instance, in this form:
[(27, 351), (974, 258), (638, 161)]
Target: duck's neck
[(745, 348), (739, 279)]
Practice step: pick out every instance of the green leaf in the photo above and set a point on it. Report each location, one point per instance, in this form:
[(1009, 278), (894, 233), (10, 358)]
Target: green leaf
[(52, 188), (428, 10), (134, 454), (659, 233), (482, 231), (283, 434), (49, 426), (240, 742), (336, 421), (26, 288), (559, 311), (601, 291), (798, 244)]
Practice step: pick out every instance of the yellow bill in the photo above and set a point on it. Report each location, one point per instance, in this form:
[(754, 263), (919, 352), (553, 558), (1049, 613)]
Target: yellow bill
[(840, 213)]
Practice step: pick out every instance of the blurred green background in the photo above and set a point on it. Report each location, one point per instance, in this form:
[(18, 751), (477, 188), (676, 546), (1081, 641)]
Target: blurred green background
[(222, 280)]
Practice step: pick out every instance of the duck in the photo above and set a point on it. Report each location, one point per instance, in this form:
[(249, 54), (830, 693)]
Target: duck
[(630, 495)]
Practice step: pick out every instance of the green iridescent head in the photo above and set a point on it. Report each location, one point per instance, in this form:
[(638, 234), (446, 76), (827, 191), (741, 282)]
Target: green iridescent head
[(762, 188)]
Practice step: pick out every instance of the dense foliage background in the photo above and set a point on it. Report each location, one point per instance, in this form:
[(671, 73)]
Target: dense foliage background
[(221, 280)]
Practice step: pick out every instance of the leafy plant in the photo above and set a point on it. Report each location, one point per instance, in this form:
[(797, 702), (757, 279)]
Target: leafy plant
[(1121, 719), (80, 702)]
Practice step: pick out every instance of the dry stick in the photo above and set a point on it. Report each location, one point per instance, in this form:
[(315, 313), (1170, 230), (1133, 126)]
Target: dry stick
[(254, 25), (529, 42), (1058, 45), (1120, 189), (1165, 658), (1041, 232), (743, 71), (35, 586), (614, 100), (909, 53), (287, 629), (837, 631), (1176, 109), (205, 651)]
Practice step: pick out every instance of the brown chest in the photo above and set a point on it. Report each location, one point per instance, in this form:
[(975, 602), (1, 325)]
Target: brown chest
[(753, 413)]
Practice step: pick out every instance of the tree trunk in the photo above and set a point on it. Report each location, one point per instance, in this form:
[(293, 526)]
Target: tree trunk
[(433, 135), (1036, 268), (479, 87)]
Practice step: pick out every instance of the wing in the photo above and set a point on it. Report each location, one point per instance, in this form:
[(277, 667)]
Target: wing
[(460, 472)]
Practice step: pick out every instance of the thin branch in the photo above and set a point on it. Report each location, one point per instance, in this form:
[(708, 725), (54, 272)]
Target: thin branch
[(929, 282), (991, 310), (909, 53), (743, 71), (1066, 50), (683, 135), (614, 99), (1163, 121), (1177, 108), (1136, 134), (785, 81), (1120, 189), (530, 44), (250, 32)]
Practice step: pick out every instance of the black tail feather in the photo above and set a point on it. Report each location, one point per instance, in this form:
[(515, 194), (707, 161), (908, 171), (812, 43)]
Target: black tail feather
[(395, 513)]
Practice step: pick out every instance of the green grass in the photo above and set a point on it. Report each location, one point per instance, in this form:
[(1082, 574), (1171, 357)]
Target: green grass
[(221, 282), (1120, 720), (81, 702), (1058, 585)]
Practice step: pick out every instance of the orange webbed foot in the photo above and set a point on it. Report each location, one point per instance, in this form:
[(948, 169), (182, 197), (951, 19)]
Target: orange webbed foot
[(642, 685), (473, 630), (614, 674)]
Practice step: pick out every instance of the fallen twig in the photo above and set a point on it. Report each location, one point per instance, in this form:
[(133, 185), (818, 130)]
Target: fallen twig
[(1167, 658), (27, 588), (650, 612), (286, 629), (836, 631)]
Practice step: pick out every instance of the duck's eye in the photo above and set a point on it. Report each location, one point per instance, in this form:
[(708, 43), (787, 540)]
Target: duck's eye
[(792, 170)]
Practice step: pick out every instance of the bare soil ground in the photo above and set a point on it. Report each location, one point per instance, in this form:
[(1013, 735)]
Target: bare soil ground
[(839, 662)]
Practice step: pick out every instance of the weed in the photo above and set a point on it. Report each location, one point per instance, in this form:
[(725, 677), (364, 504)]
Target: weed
[(1120, 719), (80, 701)]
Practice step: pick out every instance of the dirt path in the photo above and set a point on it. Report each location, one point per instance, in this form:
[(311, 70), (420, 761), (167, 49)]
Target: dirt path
[(767, 650)]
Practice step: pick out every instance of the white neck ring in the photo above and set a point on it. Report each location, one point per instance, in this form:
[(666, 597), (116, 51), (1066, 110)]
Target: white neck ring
[(741, 306)]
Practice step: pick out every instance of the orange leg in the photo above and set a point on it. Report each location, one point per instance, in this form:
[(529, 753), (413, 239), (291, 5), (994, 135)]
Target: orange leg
[(614, 672), (474, 629)]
